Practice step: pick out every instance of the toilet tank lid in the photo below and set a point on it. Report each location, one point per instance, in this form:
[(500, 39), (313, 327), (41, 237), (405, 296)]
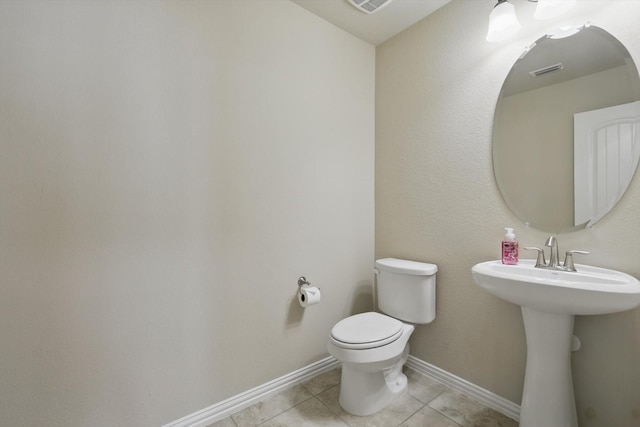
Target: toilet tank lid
[(404, 266)]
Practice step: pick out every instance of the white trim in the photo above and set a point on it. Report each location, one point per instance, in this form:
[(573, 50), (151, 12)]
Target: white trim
[(223, 409), (485, 397)]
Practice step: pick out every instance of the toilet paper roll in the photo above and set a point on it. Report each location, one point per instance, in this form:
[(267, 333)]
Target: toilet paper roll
[(308, 295)]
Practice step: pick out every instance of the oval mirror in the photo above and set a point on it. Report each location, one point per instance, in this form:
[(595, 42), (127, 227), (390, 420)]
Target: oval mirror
[(566, 131)]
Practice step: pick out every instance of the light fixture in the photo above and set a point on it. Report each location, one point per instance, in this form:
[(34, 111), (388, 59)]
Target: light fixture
[(503, 22), (547, 9)]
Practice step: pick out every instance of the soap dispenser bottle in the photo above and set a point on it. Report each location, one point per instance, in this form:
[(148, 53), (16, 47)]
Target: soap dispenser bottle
[(509, 248)]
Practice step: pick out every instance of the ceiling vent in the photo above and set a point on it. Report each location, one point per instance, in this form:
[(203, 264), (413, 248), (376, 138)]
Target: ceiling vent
[(369, 6), (546, 70)]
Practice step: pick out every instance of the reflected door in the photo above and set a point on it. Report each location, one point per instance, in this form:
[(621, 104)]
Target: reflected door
[(606, 153)]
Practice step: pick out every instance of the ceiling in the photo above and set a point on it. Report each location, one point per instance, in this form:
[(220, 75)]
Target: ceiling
[(587, 52), (378, 26)]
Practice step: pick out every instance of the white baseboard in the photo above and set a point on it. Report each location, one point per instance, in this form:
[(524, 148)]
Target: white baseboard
[(223, 409), (485, 397)]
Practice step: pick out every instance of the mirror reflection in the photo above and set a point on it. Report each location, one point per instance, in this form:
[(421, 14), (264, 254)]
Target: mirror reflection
[(566, 133)]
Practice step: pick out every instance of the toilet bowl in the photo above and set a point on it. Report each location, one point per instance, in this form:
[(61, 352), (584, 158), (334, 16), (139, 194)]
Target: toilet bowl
[(369, 361), (373, 347)]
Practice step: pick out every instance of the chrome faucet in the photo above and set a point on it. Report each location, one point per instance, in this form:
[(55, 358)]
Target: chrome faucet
[(552, 243), (554, 262)]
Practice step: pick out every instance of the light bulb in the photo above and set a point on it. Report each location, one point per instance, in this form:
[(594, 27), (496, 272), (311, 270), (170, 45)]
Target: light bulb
[(547, 9), (503, 22)]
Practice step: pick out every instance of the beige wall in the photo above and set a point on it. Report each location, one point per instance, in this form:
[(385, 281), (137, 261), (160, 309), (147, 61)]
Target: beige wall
[(167, 171), (436, 200)]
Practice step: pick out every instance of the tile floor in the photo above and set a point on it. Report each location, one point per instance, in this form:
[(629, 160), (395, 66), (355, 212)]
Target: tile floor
[(315, 403)]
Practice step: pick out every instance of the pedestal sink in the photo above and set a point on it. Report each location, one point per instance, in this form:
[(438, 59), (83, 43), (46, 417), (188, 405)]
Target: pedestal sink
[(550, 299)]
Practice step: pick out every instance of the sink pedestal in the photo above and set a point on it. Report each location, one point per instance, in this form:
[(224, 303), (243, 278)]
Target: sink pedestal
[(550, 300), (547, 398)]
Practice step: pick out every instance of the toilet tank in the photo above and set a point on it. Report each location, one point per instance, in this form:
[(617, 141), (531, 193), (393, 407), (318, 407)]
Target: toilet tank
[(407, 289)]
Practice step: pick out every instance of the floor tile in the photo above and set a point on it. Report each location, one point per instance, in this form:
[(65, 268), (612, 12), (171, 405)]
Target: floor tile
[(227, 422), (311, 413), (324, 381), (422, 387), (271, 406), (428, 417), (491, 418), (330, 399), (393, 414), (468, 412)]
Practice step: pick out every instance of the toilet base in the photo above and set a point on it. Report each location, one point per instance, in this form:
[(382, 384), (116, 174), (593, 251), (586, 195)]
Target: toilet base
[(367, 388)]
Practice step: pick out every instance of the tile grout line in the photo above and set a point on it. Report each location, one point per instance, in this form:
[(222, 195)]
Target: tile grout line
[(446, 416), (427, 404), (439, 412), (337, 416), (415, 412), (288, 409)]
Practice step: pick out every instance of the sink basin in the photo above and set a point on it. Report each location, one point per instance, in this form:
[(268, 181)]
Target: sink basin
[(590, 290), (550, 300)]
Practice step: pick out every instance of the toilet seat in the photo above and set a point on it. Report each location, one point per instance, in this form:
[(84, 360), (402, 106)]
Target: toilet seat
[(366, 330)]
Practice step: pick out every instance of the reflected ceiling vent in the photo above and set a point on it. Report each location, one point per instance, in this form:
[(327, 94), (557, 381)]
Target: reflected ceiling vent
[(546, 70), (369, 6)]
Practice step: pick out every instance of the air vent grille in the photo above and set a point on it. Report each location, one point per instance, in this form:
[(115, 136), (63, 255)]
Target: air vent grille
[(369, 6), (546, 70)]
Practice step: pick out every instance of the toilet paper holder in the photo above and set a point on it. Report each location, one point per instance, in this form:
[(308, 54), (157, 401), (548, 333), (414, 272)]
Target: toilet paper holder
[(302, 281), (307, 294)]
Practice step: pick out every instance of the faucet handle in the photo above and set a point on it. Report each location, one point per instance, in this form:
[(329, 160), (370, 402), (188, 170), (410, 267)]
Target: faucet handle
[(568, 259), (540, 261)]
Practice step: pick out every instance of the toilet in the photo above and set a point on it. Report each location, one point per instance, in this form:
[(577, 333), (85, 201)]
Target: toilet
[(373, 346)]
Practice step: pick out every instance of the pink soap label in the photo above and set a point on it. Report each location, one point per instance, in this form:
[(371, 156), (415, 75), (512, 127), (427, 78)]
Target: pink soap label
[(509, 253)]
